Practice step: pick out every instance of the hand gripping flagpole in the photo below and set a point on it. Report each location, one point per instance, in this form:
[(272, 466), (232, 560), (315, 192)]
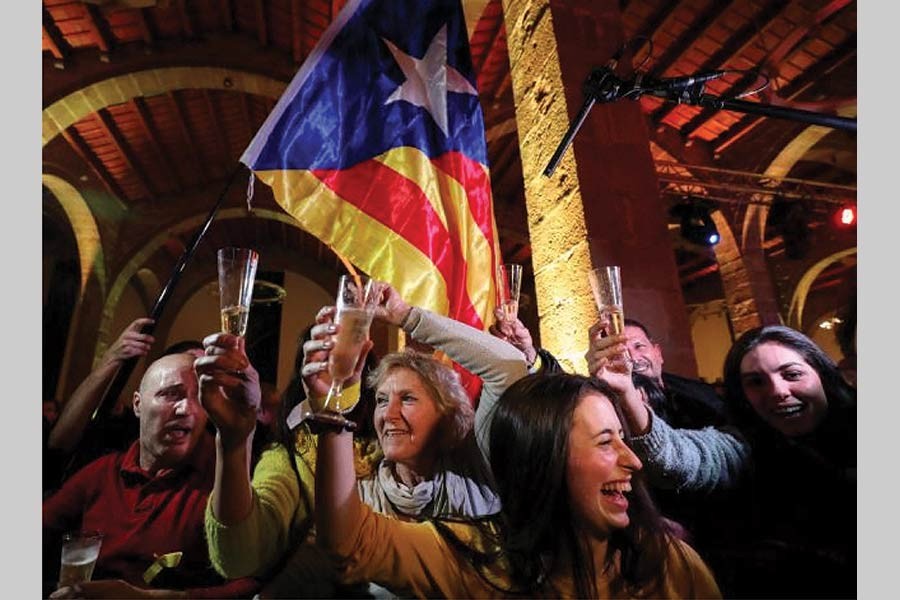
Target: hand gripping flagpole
[(127, 367)]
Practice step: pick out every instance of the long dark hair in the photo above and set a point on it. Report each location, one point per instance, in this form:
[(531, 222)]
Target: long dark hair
[(841, 395), (833, 444), (528, 451)]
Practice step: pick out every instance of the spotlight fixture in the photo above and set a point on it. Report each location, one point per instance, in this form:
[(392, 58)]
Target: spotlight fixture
[(697, 225), (845, 216)]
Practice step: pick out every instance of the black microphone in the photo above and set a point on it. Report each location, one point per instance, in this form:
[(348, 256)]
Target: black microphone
[(679, 83)]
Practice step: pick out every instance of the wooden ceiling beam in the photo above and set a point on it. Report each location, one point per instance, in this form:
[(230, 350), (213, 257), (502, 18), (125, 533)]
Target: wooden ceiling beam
[(790, 42), (218, 128), (690, 36), (59, 47), (735, 46), (248, 119), (653, 25), (186, 134), (227, 15), (298, 31), (109, 128), (97, 25), (144, 26), (699, 274), (84, 151), (693, 263), (187, 22), (262, 32), (744, 82), (829, 62), (145, 121)]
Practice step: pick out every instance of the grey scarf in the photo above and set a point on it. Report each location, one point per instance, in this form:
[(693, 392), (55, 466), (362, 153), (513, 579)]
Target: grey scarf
[(446, 494)]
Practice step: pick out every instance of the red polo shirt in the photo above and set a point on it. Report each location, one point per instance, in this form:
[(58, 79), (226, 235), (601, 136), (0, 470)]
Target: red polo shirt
[(142, 517)]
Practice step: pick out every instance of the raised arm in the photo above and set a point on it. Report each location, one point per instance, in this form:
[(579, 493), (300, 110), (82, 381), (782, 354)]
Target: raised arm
[(338, 507), (496, 362), (248, 524), (683, 459), (76, 413), (691, 459), (409, 559), (229, 391)]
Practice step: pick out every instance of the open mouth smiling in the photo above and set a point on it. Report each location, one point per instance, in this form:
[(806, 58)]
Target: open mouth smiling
[(177, 433), (786, 411), (392, 433), (615, 488)]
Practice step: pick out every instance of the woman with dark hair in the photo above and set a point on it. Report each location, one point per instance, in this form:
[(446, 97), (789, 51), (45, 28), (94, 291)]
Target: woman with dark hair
[(799, 414), (779, 380), (576, 520)]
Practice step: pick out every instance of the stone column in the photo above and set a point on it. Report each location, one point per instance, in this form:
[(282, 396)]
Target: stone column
[(602, 205)]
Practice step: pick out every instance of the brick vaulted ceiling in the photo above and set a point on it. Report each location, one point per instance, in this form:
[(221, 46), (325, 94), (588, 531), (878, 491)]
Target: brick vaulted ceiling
[(158, 152)]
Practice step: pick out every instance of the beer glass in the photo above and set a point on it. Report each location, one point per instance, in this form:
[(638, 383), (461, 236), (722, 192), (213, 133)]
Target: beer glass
[(607, 288), (79, 555), (355, 307), (509, 282), (237, 272)]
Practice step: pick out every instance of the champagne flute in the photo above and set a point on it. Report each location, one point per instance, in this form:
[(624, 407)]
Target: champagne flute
[(355, 307), (509, 282), (606, 285), (237, 272)]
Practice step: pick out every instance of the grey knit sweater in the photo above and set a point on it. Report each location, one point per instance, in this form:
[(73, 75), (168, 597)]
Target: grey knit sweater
[(691, 459)]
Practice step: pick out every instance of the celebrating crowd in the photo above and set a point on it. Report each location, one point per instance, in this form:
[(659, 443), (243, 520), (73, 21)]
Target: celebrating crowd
[(630, 483)]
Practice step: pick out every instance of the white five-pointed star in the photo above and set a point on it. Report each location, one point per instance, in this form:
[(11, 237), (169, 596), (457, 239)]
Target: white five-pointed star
[(429, 79)]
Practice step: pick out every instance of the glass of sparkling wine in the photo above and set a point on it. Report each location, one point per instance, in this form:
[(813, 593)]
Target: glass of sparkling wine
[(237, 272), (509, 282), (356, 300), (607, 287), (79, 555)]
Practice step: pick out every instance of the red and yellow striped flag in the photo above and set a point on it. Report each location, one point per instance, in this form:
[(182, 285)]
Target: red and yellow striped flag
[(377, 148)]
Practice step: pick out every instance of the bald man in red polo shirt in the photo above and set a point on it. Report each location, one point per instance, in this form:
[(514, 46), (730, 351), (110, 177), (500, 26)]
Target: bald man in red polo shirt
[(149, 501)]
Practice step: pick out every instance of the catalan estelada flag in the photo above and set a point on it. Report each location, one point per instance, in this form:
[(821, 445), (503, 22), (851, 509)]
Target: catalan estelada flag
[(377, 148)]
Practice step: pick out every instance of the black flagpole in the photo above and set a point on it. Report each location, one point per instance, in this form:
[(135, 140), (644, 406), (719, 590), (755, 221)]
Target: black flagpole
[(127, 367)]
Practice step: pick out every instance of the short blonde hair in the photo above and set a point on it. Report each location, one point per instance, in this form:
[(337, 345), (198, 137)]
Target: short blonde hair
[(444, 385)]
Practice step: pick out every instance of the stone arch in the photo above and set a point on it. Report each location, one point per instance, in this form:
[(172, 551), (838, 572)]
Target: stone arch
[(87, 235), (150, 82), (754, 229), (798, 300)]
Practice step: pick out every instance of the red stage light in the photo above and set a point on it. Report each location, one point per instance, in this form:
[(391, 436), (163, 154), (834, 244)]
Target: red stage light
[(846, 216)]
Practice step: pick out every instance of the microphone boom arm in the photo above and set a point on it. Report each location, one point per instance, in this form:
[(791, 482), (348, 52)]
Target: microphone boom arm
[(602, 85)]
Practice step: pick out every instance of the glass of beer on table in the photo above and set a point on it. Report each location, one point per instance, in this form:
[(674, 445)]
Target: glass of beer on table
[(80, 550)]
